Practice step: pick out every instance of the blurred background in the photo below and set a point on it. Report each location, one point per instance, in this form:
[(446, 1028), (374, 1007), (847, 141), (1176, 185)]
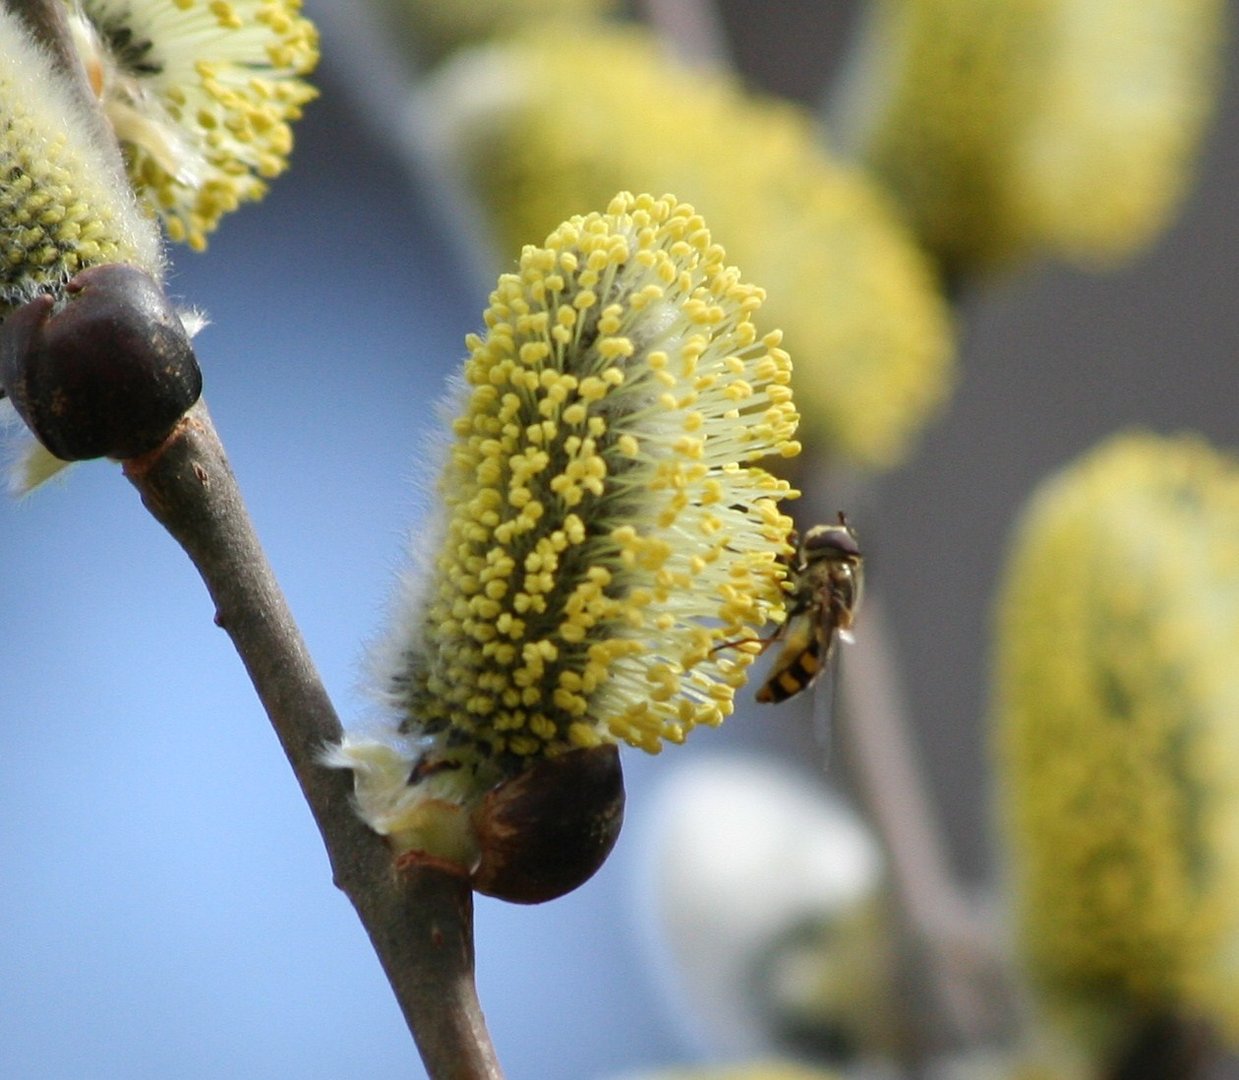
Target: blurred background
[(167, 909)]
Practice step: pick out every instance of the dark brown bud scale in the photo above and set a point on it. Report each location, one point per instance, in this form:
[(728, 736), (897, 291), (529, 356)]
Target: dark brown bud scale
[(548, 829), (107, 371)]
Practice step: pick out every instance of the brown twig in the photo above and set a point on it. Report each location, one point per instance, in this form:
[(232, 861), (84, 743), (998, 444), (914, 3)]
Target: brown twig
[(955, 982), (419, 919), (960, 966)]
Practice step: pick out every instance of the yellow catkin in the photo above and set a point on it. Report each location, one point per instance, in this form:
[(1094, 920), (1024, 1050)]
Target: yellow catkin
[(1116, 734), (606, 523), (549, 125), (1060, 126), (202, 95)]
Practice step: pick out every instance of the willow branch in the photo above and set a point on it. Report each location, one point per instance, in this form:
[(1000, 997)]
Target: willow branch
[(893, 788), (419, 918), (962, 965), (956, 980)]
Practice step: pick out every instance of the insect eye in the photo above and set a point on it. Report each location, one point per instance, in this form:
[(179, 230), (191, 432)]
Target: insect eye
[(831, 539)]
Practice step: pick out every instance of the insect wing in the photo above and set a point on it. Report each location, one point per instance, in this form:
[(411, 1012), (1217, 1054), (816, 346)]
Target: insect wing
[(825, 695)]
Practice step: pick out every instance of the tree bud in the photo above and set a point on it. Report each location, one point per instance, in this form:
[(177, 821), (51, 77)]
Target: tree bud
[(105, 371), (549, 828)]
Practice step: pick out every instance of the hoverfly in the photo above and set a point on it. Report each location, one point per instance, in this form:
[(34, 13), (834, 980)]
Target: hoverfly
[(827, 577)]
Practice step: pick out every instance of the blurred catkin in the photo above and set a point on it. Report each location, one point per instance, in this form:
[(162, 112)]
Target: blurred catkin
[(435, 28), (768, 1070), (550, 125), (1065, 127), (1117, 733)]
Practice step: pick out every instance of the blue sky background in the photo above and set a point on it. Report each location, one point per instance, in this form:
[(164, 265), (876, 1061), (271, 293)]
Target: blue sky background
[(165, 906)]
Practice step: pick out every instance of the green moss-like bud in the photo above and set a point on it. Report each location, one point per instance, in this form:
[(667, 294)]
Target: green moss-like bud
[(1118, 733), (1065, 126), (551, 125), (63, 204)]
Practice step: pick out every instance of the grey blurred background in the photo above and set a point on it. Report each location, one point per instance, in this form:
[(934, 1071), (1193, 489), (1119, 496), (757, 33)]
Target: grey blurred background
[(166, 906)]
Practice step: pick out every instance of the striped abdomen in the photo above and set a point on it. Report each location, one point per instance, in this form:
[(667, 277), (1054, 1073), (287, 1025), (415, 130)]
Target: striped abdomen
[(798, 663)]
